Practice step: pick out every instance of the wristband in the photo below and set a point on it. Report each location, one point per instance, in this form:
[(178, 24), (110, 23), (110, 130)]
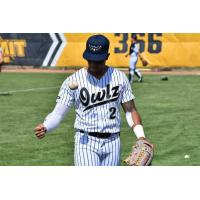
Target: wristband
[(139, 131)]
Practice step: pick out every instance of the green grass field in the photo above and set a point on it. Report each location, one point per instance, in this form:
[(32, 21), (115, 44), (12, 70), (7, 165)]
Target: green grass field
[(170, 112)]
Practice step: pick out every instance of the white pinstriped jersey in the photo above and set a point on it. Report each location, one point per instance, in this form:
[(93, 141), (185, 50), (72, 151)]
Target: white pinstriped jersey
[(97, 101)]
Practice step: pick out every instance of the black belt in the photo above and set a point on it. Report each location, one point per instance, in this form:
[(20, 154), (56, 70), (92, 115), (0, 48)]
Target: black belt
[(99, 135)]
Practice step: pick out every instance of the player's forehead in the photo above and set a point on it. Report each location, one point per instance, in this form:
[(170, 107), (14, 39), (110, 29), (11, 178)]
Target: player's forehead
[(95, 62)]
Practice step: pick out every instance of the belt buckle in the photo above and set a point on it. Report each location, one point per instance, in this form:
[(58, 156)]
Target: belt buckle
[(109, 135), (99, 135)]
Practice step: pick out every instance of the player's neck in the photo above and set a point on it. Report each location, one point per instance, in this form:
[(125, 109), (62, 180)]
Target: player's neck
[(98, 73)]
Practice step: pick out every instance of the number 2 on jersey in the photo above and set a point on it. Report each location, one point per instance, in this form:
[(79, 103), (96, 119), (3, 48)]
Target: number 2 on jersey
[(112, 112)]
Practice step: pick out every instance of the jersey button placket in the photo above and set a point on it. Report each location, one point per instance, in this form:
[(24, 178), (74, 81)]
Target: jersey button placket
[(96, 91)]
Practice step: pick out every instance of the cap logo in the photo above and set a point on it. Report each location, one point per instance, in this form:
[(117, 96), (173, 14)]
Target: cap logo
[(94, 48)]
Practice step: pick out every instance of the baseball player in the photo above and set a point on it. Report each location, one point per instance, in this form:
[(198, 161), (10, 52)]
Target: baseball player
[(134, 53), (97, 92)]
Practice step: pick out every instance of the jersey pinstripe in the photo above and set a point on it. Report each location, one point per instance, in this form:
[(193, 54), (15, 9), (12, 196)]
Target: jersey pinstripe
[(97, 101)]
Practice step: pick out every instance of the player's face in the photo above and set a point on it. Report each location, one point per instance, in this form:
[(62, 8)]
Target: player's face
[(96, 66), (133, 40)]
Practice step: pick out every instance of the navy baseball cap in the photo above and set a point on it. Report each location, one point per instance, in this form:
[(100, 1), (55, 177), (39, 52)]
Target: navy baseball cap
[(97, 47)]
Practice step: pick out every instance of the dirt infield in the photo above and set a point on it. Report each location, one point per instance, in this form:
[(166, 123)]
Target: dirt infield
[(144, 71)]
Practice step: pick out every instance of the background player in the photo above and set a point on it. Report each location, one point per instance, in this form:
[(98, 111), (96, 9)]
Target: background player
[(97, 92), (134, 53)]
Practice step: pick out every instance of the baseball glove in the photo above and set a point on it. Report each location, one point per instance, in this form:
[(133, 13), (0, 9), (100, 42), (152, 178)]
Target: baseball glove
[(144, 62), (141, 155)]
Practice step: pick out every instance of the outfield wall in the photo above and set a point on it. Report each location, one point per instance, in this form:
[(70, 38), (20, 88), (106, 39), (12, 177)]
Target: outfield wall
[(159, 49)]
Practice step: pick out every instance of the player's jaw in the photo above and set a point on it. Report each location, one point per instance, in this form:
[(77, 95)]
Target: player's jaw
[(96, 67)]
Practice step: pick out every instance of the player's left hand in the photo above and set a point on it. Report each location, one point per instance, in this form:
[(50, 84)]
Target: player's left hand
[(142, 153), (40, 131)]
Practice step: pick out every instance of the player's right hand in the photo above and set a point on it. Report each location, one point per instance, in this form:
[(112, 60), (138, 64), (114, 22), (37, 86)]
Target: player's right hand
[(40, 131)]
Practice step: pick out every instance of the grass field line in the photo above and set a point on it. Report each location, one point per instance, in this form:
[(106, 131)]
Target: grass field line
[(29, 90)]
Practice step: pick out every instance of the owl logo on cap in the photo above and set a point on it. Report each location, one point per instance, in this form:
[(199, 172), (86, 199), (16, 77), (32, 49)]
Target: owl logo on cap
[(94, 48)]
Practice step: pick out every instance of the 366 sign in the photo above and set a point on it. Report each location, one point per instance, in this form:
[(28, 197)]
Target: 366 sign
[(153, 44)]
